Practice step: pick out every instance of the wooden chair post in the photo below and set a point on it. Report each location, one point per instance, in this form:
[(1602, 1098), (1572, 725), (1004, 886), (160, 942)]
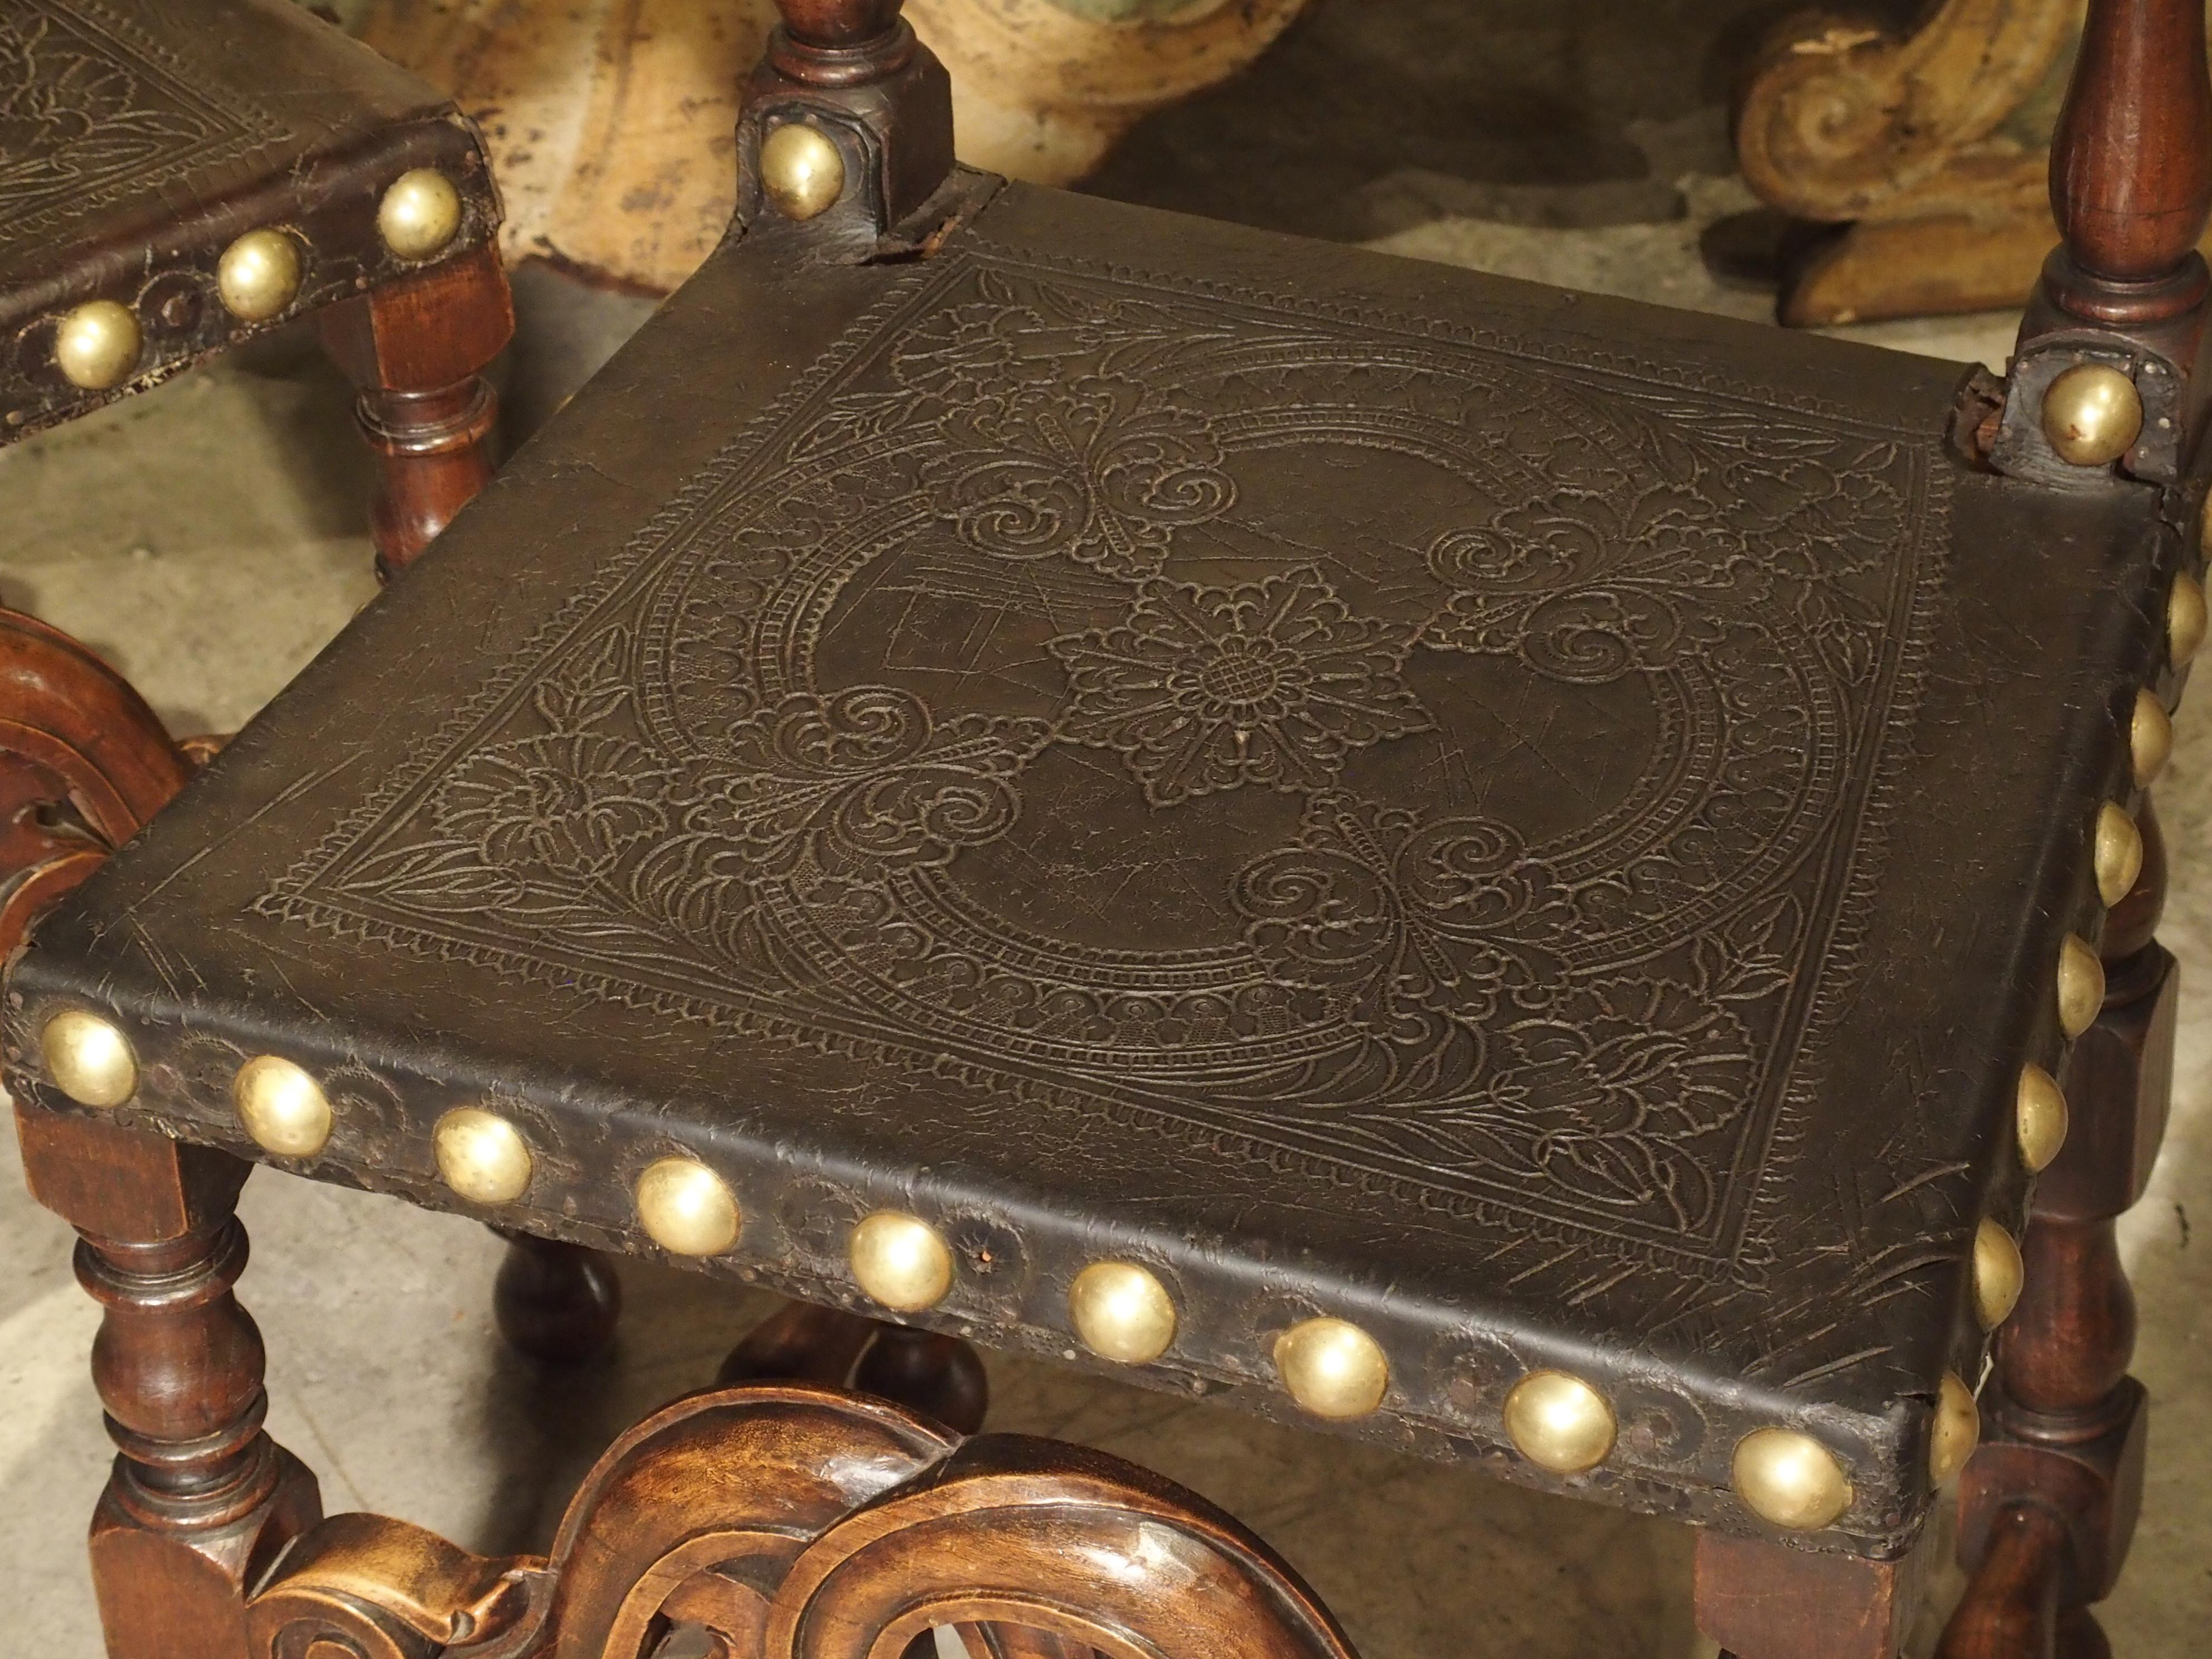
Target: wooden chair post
[(2103, 377)]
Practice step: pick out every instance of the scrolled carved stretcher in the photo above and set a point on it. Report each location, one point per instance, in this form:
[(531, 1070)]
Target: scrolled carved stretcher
[(1540, 881)]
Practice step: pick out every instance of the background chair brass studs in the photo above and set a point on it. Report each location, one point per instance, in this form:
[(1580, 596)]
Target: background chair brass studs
[(2093, 415), (2184, 620), (2080, 985), (258, 274), (89, 1060), (1331, 1368), (900, 1261), (2119, 853), (283, 1108), (1122, 1312), (97, 344), (421, 212), (1559, 1423), (1997, 1273), (1790, 1480), (482, 1156), (2150, 738), (1956, 1431), (801, 170), (686, 1208), (2040, 1118)]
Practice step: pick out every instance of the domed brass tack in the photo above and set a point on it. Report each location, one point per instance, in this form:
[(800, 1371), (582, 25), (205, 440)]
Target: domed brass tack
[(1122, 1312), (686, 1208), (482, 1156), (2119, 853), (2092, 413), (1790, 1480), (900, 1261), (1331, 1368), (1997, 1274), (2185, 619), (1559, 1423), (2041, 1118), (802, 170), (89, 1060), (97, 344), (2080, 985), (258, 274), (1955, 1432), (420, 214), (283, 1108), (2150, 738)]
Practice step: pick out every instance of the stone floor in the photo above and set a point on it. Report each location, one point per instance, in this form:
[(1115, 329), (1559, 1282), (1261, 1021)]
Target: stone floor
[(207, 538)]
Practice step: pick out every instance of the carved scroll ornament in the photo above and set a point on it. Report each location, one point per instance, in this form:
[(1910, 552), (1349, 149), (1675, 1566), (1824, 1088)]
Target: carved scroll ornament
[(794, 1523)]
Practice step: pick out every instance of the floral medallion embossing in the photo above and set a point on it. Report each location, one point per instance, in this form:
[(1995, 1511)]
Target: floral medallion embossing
[(1029, 702), (1207, 688)]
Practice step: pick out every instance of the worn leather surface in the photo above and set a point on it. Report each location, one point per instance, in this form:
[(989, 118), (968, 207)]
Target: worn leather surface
[(138, 138), (1539, 825)]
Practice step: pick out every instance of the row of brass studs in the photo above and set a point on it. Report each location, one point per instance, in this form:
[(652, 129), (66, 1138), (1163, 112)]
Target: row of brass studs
[(98, 344), (1120, 1309)]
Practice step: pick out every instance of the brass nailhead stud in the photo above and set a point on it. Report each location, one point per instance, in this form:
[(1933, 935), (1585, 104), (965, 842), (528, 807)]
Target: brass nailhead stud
[(97, 344), (2080, 985), (2150, 738), (2041, 1118), (686, 1208), (1997, 1274), (89, 1060), (2185, 619), (900, 1261), (1122, 1312), (1560, 1422), (258, 274), (2092, 413), (2119, 853), (1331, 1368), (283, 1108), (482, 1156), (1956, 1431), (801, 170), (1790, 1480), (421, 212)]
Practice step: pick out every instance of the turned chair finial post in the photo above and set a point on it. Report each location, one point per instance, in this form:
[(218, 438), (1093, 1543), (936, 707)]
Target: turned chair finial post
[(2131, 162), (839, 23)]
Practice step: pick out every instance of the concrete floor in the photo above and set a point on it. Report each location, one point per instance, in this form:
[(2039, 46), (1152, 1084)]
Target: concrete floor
[(208, 539)]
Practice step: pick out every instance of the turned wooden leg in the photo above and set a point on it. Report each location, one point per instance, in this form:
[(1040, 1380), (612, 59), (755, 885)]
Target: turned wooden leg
[(416, 350), (557, 1302), (2047, 1506), (1762, 1600), (200, 1499), (940, 1377)]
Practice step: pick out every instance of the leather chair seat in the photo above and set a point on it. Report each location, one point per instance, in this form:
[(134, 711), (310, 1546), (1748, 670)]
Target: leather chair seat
[(1541, 828)]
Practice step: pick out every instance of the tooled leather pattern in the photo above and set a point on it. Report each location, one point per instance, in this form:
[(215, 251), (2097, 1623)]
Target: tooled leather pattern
[(1397, 751), (93, 109)]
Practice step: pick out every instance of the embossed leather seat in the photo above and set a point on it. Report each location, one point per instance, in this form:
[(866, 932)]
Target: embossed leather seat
[(1528, 862), (175, 179)]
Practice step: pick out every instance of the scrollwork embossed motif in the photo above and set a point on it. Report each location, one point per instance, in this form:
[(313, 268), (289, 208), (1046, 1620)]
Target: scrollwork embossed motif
[(91, 108), (1510, 795)]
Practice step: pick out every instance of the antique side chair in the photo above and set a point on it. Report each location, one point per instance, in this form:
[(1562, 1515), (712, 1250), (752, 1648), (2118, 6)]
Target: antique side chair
[(176, 179), (1531, 879)]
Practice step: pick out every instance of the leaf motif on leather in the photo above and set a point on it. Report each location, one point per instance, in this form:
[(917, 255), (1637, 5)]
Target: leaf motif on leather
[(90, 110), (866, 775), (1206, 689), (1098, 471)]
